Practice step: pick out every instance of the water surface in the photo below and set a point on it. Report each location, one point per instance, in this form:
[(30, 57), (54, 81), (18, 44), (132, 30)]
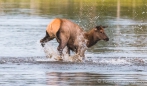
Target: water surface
[(120, 62)]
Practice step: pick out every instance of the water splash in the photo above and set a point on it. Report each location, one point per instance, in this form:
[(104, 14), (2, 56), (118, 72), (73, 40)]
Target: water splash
[(52, 52)]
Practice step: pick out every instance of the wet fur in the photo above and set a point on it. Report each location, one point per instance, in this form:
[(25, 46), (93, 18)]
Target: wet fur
[(71, 35)]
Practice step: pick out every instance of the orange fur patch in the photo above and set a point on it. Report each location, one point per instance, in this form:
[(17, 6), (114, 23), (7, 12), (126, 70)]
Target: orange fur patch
[(53, 27)]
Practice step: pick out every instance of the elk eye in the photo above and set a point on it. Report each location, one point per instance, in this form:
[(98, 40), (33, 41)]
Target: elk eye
[(101, 31)]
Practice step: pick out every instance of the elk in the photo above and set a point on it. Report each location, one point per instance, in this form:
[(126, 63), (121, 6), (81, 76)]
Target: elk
[(73, 36)]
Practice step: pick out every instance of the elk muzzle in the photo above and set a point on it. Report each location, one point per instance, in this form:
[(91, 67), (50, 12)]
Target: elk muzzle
[(106, 39)]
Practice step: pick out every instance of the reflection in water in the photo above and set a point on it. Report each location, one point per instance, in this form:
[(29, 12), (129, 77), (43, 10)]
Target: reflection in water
[(76, 79), (105, 71), (118, 19), (73, 79), (121, 60)]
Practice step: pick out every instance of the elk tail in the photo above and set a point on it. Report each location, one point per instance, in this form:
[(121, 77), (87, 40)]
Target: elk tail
[(54, 27)]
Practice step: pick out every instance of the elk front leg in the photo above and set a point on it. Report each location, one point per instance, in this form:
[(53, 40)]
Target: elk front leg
[(81, 53)]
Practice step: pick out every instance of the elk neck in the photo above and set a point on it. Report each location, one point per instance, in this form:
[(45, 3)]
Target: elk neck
[(92, 40)]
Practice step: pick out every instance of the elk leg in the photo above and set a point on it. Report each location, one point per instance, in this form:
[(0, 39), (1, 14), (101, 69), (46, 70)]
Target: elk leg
[(45, 39), (61, 47), (63, 42), (81, 52), (68, 50)]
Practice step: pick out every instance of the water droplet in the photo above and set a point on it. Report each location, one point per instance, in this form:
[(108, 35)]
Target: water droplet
[(143, 12)]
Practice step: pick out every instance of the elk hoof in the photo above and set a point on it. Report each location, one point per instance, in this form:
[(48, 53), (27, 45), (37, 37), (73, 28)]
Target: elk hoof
[(42, 44), (59, 58)]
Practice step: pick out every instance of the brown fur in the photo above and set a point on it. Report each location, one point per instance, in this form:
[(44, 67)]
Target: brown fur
[(53, 28), (71, 35)]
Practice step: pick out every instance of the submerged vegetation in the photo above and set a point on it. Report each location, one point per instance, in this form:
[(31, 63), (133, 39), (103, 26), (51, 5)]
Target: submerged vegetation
[(133, 8)]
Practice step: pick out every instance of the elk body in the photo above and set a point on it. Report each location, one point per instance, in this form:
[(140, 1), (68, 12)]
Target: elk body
[(73, 36)]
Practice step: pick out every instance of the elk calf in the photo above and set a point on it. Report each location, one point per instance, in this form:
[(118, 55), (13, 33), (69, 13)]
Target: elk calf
[(74, 37)]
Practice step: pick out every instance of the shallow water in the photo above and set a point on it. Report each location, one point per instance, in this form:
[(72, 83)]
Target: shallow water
[(41, 71), (120, 62)]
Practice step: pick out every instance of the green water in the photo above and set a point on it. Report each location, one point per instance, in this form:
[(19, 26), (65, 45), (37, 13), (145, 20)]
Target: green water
[(120, 62), (123, 17)]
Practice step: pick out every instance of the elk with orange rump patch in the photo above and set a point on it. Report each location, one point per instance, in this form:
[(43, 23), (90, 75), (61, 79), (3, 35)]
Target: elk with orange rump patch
[(73, 36)]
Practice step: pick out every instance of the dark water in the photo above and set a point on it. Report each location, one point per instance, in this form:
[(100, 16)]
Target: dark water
[(120, 62)]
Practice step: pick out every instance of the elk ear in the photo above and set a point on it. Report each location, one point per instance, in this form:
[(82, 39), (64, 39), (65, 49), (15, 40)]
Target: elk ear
[(104, 26), (98, 27)]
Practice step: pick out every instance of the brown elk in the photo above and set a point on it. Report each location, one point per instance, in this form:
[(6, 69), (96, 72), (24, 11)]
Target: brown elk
[(74, 37)]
